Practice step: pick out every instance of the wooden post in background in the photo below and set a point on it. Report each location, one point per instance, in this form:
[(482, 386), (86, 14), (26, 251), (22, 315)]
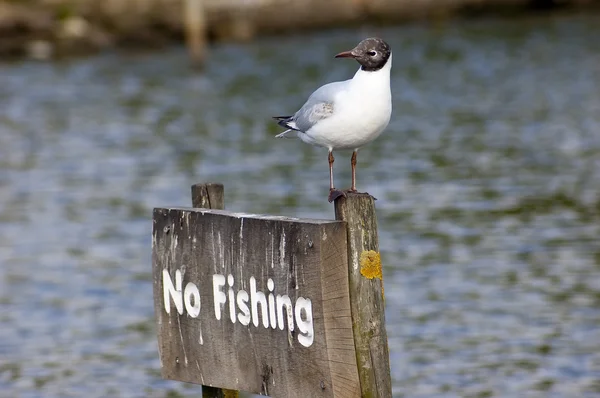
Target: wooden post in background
[(208, 196), (195, 30), (211, 196), (366, 294)]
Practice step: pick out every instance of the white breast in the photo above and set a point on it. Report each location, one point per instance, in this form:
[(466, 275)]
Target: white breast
[(362, 112)]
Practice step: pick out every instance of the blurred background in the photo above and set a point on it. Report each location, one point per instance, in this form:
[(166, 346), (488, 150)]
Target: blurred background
[(487, 179)]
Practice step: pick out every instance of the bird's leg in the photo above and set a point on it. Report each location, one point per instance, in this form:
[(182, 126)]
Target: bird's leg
[(333, 193), (331, 159), (353, 163)]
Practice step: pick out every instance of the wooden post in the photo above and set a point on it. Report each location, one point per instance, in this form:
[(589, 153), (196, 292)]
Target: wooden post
[(253, 302), (195, 30), (366, 294), (211, 196), (208, 196)]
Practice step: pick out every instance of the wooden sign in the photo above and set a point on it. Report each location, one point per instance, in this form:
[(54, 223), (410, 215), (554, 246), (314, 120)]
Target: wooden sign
[(254, 303)]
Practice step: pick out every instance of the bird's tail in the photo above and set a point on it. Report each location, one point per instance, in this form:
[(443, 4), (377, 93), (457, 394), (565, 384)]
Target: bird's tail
[(283, 120), (289, 123)]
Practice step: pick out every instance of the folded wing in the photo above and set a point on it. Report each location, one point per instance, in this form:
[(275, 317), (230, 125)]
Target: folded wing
[(319, 106)]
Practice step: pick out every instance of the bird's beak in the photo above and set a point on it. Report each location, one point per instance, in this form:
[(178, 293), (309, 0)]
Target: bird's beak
[(345, 54)]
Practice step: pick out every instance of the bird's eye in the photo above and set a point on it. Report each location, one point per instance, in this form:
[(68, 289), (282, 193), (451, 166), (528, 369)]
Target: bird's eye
[(372, 53)]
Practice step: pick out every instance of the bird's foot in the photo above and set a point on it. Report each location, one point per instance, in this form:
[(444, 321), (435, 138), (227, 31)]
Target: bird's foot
[(334, 194), (354, 191)]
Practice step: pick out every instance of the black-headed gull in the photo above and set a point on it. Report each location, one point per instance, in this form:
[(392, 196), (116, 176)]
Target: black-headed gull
[(350, 113)]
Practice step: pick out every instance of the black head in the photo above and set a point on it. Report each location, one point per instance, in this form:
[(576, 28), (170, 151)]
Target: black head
[(372, 54)]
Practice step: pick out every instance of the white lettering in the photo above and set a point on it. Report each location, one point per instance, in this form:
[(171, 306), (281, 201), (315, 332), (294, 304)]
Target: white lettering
[(284, 301), (272, 312), (219, 297), (256, 307), (305, 325), (242, 302), (172, 291), (256, 298), (231, 298), (191, 291)]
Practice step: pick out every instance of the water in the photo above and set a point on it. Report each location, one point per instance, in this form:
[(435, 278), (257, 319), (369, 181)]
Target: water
[(487, 178)]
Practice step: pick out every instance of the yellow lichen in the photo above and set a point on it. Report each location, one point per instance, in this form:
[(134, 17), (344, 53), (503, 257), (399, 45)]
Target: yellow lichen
[(370, 264), (230, 393), (370, 267)]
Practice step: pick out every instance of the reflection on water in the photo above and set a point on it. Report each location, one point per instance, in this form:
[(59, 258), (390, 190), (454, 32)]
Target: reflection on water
[(487, 180)]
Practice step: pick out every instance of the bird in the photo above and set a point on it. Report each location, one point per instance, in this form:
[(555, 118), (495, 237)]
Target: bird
[(347, 114)]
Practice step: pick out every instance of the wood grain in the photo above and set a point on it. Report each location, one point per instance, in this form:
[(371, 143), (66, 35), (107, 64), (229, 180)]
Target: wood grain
[(208, 196), (366, 294), (211, 196), (303, 258)]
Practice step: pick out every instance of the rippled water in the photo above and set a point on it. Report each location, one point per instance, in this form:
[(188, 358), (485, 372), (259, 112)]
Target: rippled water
[(488, 180)]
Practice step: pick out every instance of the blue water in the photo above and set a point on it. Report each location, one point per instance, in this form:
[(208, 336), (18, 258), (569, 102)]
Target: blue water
[(487, 184)]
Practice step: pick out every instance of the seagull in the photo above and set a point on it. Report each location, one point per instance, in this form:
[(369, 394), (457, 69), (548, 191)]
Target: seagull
[(347, 114)]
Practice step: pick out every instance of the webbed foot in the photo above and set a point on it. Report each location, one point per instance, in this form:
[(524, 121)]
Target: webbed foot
[(354, 191), (334, 194)]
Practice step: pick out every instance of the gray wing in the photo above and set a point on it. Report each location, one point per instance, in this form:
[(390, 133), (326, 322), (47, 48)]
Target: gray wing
[(320, 105)]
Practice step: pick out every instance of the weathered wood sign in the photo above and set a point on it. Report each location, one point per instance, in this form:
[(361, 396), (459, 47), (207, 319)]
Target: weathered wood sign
[(254, 303)]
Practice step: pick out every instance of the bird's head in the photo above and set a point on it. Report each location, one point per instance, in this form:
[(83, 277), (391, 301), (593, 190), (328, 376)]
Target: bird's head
[(372, 54)]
